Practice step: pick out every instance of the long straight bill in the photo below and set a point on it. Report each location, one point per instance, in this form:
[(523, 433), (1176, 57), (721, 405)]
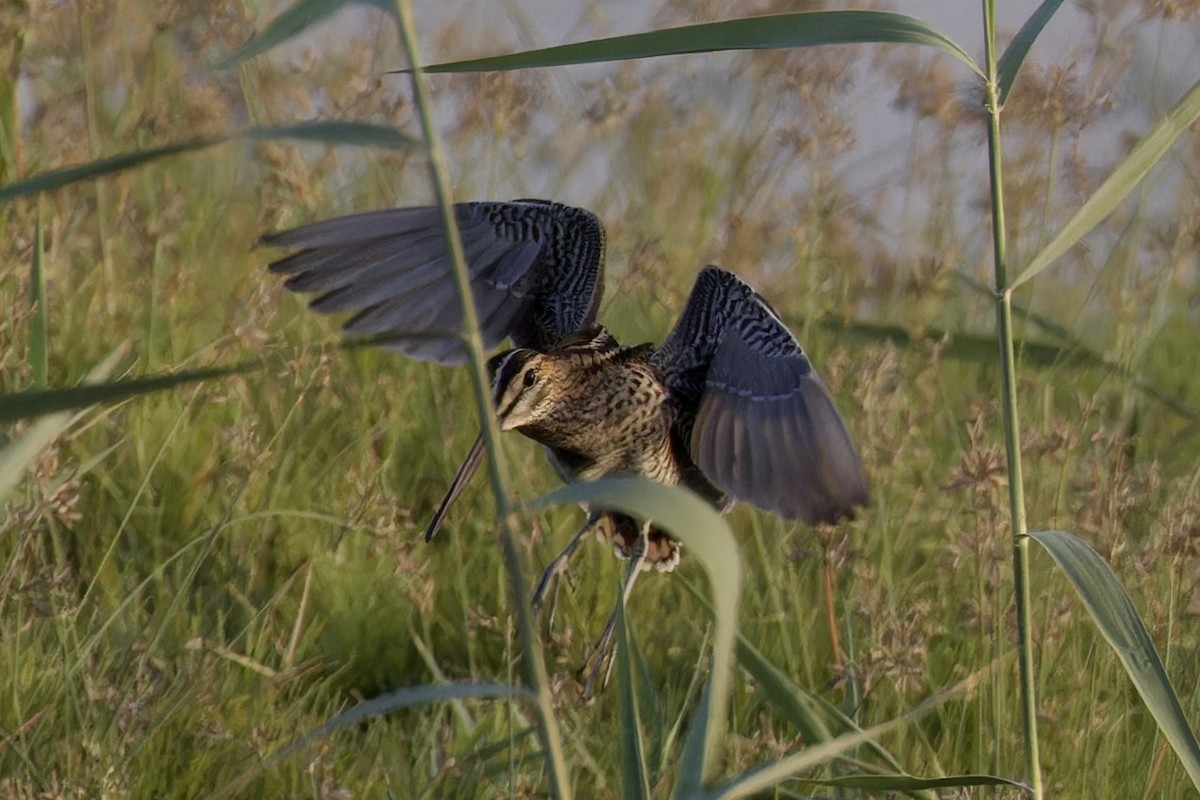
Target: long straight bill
[(456, 486)]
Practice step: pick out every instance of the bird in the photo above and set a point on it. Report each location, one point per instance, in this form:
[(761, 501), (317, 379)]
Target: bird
[(728, 405)]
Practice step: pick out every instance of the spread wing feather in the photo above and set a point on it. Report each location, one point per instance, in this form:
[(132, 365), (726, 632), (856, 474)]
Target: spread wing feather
[(752, 413), (536, 271)]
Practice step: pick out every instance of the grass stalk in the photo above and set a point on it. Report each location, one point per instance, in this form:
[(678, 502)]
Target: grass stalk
[(39, 326), (1012, 440), (536, 676)]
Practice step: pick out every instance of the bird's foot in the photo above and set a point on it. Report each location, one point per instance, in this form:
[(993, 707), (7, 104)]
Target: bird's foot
[(599, 662)]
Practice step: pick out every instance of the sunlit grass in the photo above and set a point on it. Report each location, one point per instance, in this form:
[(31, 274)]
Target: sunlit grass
[(244, 560)]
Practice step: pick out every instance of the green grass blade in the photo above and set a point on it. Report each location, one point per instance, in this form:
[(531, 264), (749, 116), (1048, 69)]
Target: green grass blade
[(912, 783), (1148, 152), (967, 346), (292, 22), (693, 761), (972, 347), (783, 694), (424, 694), (634, 775), (1121, 625), (331, 133), (707, 538), (39, 326), (40, 402), (533, 660), (9, 104), (1075, 353), (791, 701), (768, 775), (407, 697), (19, 453), (334, 132), (1009, 65), (58, 178), (802, 29)]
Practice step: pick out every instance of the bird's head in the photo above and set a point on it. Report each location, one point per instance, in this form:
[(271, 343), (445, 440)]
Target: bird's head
[(521, 390)]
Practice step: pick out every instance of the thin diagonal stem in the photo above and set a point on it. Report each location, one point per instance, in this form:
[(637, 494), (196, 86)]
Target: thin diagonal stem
[(1012, 441), (532, 657)]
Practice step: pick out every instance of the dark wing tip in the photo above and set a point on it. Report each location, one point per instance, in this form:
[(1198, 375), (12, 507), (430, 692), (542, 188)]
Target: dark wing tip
[(767, 432), (789, 454), (535, 271)]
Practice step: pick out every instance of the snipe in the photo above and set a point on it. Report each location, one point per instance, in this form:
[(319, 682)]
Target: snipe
[(728, 405)]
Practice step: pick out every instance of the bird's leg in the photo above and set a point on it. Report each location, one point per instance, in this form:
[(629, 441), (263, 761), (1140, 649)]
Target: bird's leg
[(844, 674), (561, 561), (831, 615), (600, 658)]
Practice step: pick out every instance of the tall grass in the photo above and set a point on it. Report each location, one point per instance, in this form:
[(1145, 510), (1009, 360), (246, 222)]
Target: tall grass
[(195, 578)]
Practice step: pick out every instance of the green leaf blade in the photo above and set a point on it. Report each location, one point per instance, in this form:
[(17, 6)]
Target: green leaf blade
[(79, 173), (1128, 174), (801, 29), (17, 455), (1121, 625), (1010, 63), (295, 20), (39, 325), (336, 133), (635, 781), (42, 402)]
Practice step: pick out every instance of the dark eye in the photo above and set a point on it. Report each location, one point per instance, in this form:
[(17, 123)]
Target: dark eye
[(530, 378)]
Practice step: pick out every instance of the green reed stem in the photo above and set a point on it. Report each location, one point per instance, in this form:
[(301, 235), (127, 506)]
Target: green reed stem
[(1012, 440), (532, 656)]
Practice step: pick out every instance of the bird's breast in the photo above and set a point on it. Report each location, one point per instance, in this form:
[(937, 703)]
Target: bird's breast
[(611, 422)]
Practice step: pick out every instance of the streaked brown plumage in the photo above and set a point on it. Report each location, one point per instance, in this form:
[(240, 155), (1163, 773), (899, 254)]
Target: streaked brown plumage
[(728, 405)]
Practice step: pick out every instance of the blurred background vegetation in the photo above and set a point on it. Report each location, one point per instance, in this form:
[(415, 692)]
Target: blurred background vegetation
[(189, 580)]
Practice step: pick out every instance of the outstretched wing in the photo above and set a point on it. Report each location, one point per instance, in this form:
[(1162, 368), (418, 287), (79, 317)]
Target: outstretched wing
[(536, 273), (753, 414)]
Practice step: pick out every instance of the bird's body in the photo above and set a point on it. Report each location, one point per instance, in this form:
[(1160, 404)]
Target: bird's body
[(603, 410), (728, 405)]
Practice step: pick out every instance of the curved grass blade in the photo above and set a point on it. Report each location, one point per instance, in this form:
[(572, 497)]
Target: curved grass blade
[(1148, 152), (332, 133), (707, 538), (40, 402), (292, 22), (1121, 625), (800, 29), (1009, 64)]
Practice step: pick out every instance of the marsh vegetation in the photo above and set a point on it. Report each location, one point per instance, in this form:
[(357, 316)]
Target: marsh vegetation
[(191, 578)]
